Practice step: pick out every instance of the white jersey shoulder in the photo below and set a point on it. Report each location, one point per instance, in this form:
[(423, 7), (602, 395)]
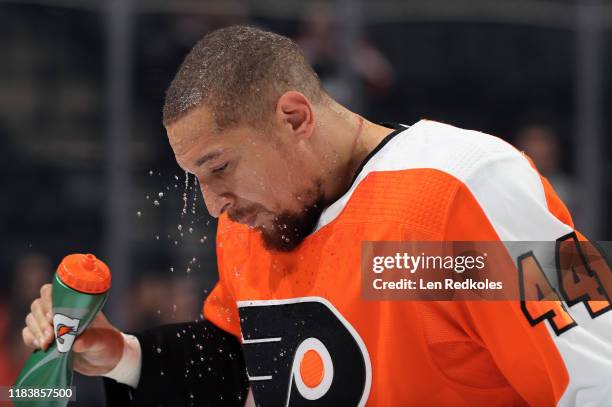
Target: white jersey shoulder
[(463, 154)]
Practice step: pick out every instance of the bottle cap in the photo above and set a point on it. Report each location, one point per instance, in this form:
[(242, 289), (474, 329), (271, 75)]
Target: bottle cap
[(84, 273)]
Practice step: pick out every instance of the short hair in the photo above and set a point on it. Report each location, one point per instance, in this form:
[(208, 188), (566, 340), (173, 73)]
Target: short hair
[(239, 72)]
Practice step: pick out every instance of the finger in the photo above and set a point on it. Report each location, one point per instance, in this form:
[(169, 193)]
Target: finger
[(32, 325), (47, 303), (29, 339), (43, 323)]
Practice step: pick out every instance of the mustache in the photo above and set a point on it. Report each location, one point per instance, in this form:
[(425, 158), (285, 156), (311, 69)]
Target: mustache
[(241, 213)]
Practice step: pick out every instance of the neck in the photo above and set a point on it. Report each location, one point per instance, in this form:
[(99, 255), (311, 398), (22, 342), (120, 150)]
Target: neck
[(345, 142)]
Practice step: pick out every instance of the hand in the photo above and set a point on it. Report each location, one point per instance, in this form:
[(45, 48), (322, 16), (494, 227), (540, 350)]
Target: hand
[(96, 351)]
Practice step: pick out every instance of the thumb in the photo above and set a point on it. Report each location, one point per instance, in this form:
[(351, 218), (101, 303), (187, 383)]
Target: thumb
[(84, 342)]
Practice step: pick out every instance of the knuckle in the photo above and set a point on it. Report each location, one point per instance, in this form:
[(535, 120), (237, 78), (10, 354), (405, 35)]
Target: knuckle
[(31, 323), (27, 338)]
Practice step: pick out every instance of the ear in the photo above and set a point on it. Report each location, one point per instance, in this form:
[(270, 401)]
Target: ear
[(293, 109)]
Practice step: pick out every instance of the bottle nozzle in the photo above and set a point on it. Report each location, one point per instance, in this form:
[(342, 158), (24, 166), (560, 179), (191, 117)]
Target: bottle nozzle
[(89, 262)]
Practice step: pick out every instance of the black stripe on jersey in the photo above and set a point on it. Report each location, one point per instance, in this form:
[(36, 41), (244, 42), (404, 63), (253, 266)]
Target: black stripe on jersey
[(398, 129)]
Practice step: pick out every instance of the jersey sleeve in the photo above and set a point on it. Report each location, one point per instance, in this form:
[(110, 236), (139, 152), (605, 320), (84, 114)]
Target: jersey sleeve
[(505, 199), (191, 363), (220, 306)]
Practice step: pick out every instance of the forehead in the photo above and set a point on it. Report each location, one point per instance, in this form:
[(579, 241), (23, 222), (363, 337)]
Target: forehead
[(197, 127)]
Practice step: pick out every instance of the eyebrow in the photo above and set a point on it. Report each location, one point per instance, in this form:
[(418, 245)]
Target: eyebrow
[(207, 157)]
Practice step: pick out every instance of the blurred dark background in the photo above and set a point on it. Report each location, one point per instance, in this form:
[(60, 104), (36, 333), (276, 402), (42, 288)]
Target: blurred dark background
[(86, 165)]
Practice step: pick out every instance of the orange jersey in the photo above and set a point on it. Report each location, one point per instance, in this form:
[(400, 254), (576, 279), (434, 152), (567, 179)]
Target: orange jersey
[(309, 338)]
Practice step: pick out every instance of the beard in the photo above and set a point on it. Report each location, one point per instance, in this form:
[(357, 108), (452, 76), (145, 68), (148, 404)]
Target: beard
[(288, 229)]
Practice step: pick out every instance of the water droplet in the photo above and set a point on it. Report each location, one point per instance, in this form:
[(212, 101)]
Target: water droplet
[(160, 194), (184, 211), (195, 195), (158, 350), (151, 172), (180, 227), (156, 202), (139, 214)]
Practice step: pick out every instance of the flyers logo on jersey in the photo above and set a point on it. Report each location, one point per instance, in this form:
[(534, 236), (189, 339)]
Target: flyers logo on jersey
[(65, 331), (302, 351)]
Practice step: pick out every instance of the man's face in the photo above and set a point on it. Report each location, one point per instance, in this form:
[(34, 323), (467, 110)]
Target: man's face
[(266, 181)]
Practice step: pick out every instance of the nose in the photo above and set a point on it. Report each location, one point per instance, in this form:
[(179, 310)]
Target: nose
[(216, 203)]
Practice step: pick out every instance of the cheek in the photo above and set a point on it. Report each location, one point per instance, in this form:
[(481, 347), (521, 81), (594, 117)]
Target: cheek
[(250, 180), (284, 177), (252, 186), (272, 177), (269, 186)]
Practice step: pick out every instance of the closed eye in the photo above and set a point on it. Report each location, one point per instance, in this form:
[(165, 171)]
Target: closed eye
[(219, 169)]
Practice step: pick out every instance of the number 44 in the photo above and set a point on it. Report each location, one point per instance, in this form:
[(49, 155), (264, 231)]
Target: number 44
[(584, 276)]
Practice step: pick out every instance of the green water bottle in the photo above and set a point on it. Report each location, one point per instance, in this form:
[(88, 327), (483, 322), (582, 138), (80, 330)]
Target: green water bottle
[(80, 288)]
